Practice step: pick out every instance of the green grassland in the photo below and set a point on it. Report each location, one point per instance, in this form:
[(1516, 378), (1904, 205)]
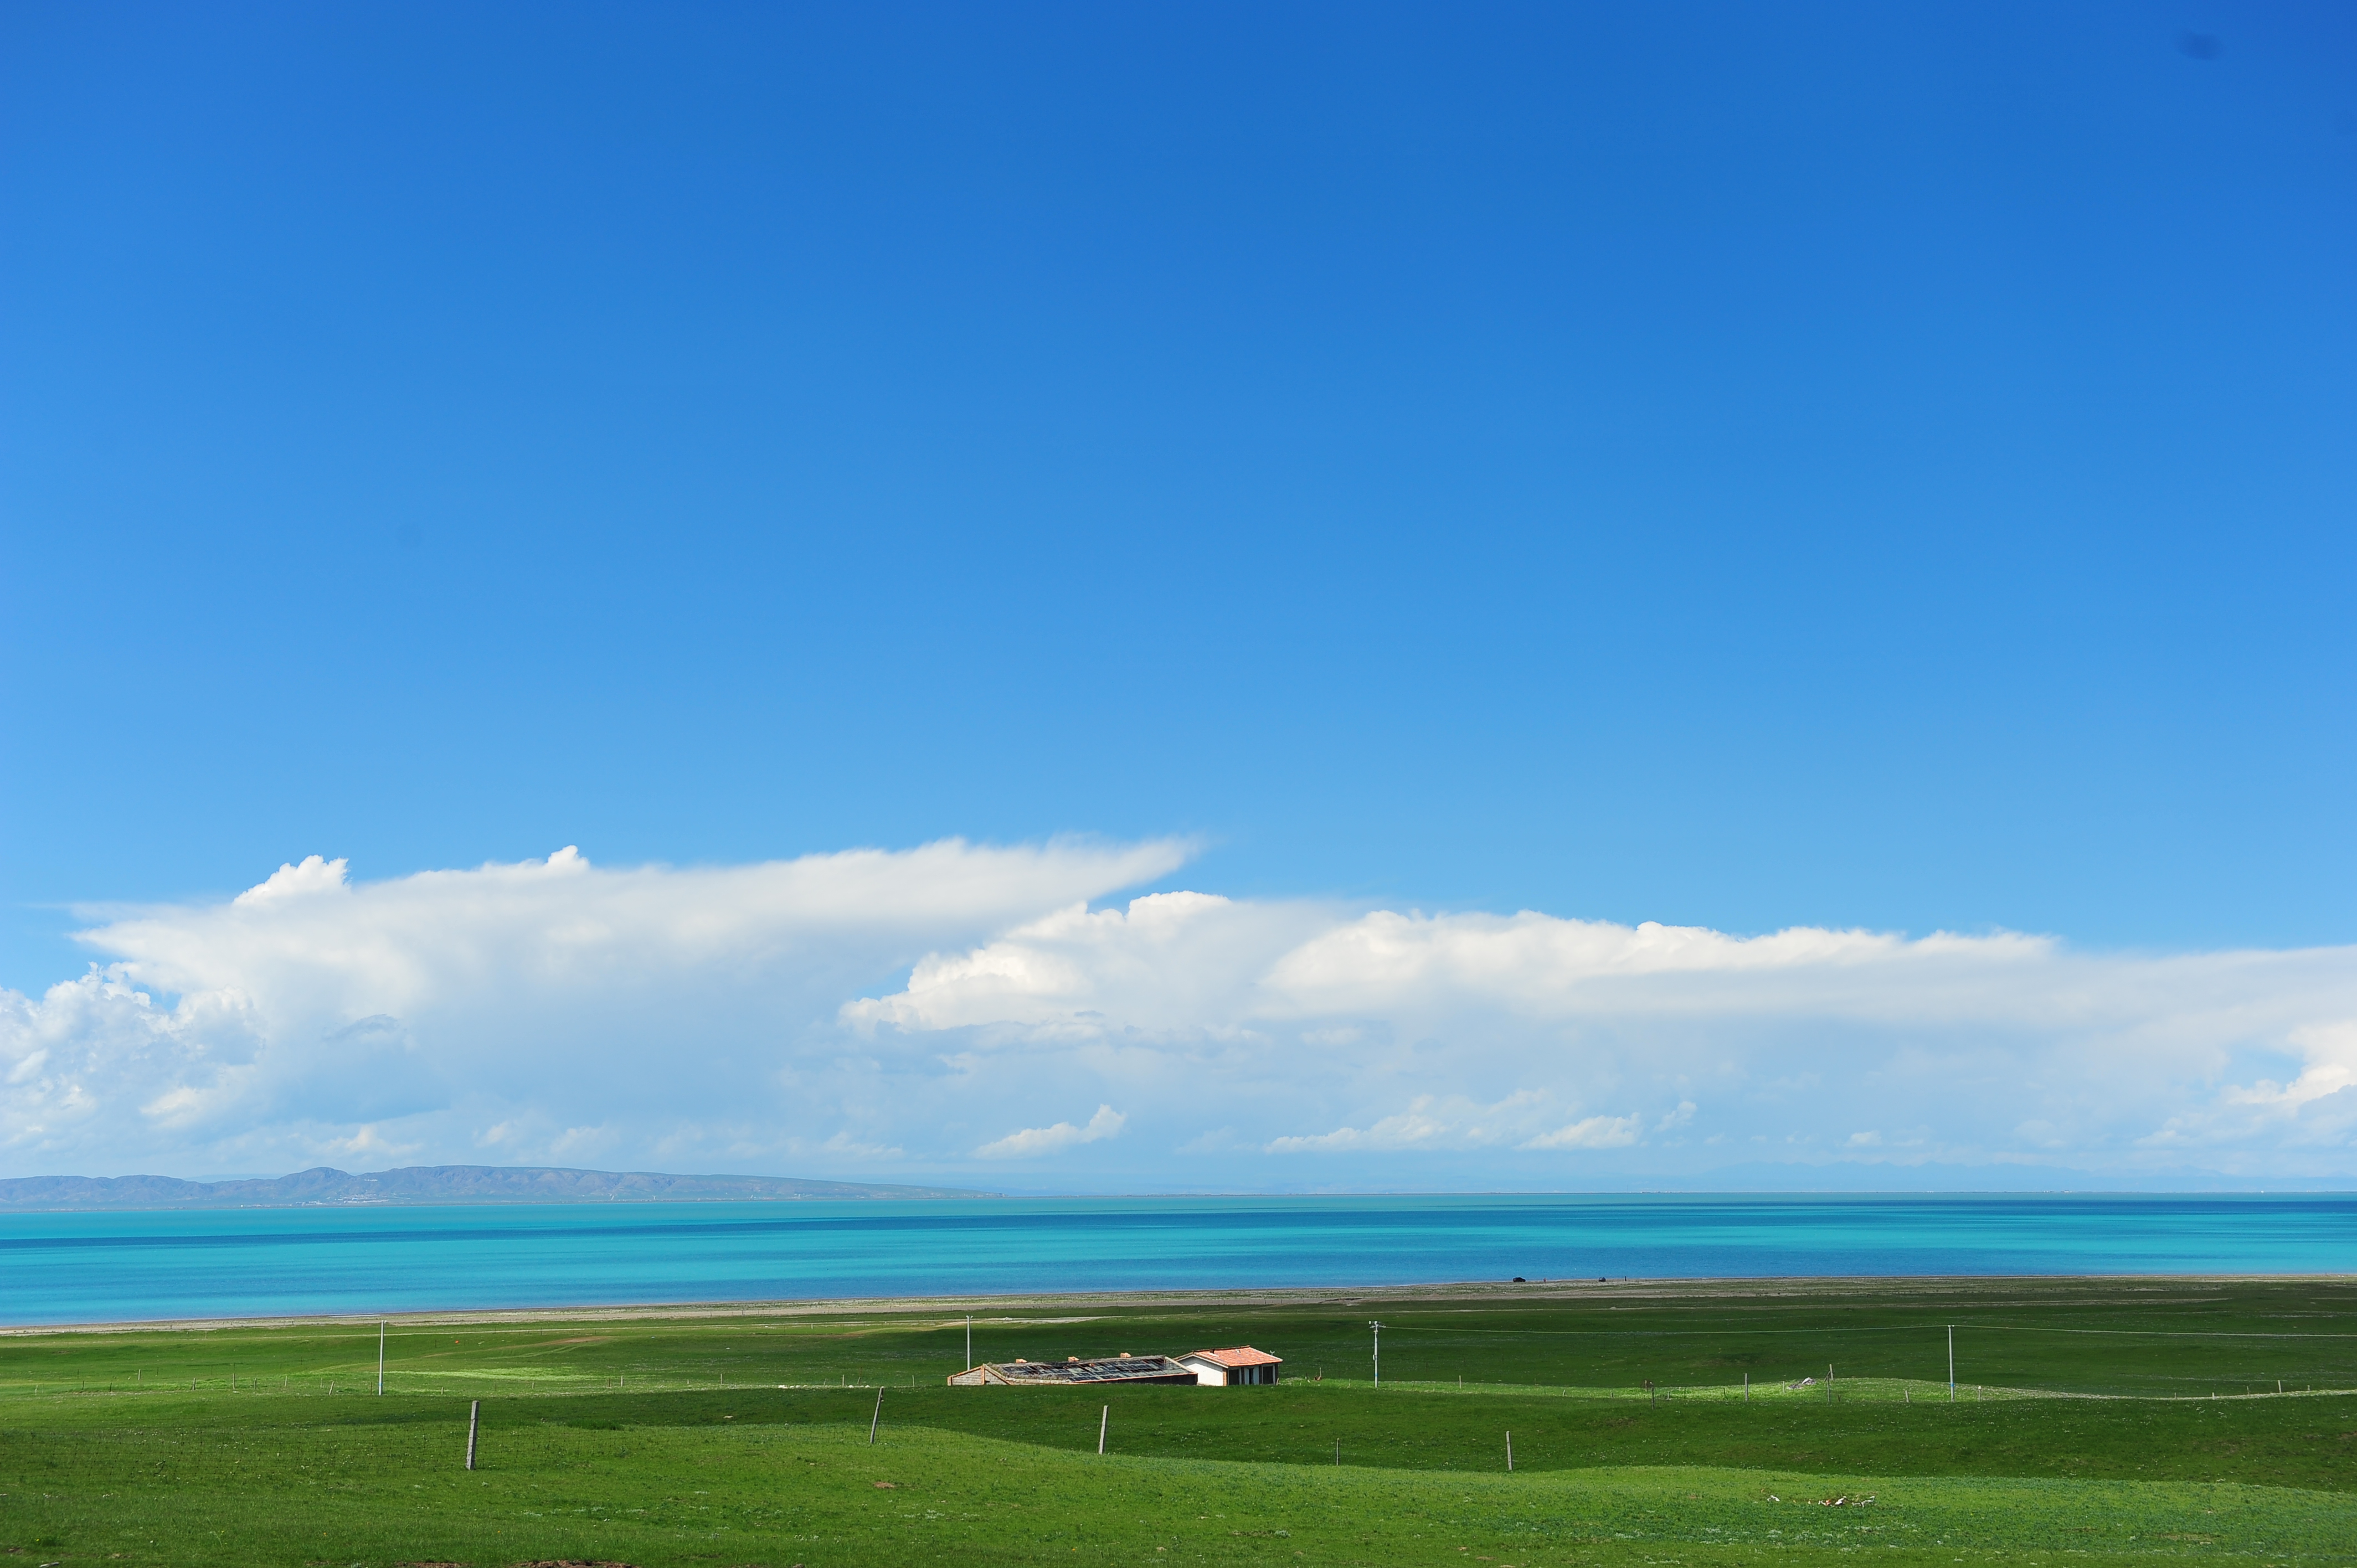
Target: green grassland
[(2096, 1421)]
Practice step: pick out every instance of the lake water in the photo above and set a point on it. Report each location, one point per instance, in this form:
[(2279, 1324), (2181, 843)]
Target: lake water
[(81, 1268)]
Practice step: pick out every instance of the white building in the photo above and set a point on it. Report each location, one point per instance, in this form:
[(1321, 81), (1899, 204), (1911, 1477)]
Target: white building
[(1242, 1364)]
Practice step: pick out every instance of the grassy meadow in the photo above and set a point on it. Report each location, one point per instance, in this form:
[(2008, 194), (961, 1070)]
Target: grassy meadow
[(2094, 1420)]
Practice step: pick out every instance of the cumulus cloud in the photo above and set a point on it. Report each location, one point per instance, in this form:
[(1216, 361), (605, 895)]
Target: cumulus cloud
[(1591, 1132), (550, 1009), (1432, 1122), (308, 937), (2330, 1052), (1169, 960), (882, 1012), (1033, 1141), (1394, 1032), (1412, 1128)]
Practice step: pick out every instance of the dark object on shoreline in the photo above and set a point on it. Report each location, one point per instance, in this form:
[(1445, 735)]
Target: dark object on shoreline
[(434, 1184)]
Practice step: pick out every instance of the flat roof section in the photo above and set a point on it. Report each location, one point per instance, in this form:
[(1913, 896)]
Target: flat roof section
[(1103, 1369)]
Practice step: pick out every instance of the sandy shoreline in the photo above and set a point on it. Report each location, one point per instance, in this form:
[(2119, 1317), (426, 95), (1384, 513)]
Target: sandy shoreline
[(1090, 1303)]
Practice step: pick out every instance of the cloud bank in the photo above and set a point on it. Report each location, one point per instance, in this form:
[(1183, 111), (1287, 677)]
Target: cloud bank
[(965, 1011)]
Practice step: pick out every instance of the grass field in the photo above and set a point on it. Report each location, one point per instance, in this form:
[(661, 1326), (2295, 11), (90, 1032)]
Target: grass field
[(2095, 1419)]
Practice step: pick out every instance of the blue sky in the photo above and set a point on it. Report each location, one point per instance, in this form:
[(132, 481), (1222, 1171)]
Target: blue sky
[(1737, 467)]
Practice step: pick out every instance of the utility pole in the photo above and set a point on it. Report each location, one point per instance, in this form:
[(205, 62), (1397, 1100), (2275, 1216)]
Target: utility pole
[(969, 1339), (380, 1360), (1105, 1419), (1379, 1351), (1951, 1363)]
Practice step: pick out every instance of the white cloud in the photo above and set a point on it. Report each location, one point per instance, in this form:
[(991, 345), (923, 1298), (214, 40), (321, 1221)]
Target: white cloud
[(2330, 1055), (1410, 1129), (1034, 1141), (1169, 960), (1431, 1122), (2004, 1047), (551, 1009), (1591, 1132), (878, 1012), (311, 938)]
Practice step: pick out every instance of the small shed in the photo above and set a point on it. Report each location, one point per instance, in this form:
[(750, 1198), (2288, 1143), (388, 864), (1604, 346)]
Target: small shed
[(1242, 1364), (1049, 1374)]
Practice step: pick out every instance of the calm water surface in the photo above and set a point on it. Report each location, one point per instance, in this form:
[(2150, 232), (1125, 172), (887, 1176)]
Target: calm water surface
[(68, 1268)]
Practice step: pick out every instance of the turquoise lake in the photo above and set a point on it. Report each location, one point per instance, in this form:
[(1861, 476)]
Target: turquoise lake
[(83, 1268)]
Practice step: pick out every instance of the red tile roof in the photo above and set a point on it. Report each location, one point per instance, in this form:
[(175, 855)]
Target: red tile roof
[(1242, 1355)]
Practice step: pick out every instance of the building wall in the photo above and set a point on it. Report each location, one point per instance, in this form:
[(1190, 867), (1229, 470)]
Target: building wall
[(1212, 1375)]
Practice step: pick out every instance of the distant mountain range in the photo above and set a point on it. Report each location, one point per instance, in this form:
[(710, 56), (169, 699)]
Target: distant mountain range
[(433, 1184)]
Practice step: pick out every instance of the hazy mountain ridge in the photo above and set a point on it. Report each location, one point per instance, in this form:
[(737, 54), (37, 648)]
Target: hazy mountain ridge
[(434, 1184)]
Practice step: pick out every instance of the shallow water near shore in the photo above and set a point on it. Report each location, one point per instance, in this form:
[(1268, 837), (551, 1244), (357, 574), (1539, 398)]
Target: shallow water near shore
[(118, 1267)]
